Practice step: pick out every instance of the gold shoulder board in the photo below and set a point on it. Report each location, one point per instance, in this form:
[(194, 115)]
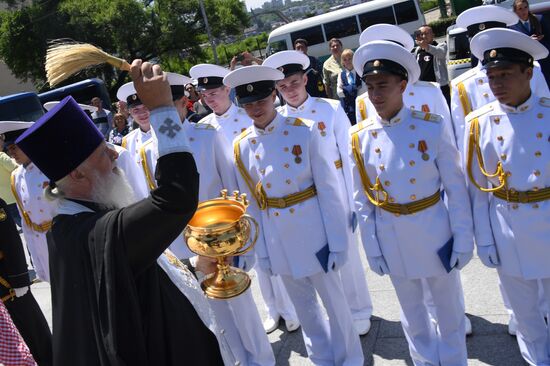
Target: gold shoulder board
[(463, 77), (297, 122), (479, 112), (204, 126)]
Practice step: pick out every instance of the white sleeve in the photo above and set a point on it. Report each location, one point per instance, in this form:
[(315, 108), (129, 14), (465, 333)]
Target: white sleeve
[(170, 134)]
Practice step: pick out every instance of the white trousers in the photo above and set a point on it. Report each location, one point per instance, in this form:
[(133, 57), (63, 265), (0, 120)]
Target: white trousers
[(354, 282), (543, 303), (533, 334), (334, 342), (444, 344), (38, 249), (238, 318), (277, 301), (428, 295)]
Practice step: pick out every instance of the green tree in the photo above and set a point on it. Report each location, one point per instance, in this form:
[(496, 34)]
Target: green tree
[(162, 30)]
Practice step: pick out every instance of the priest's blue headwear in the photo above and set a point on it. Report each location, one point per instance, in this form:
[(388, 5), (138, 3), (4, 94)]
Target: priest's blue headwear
[(60, 140)]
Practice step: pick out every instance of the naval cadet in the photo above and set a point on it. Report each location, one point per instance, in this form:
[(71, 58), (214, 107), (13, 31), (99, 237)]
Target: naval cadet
[(332, 125), (27, 185), (507, 156), (294, 185), (217, 97), (401, 160), (421, 95), (470, 90)]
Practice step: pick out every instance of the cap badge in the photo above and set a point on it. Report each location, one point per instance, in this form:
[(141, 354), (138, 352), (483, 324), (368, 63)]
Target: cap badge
[(281, 69), (249, 88), (205, 80), (493, 53), (482, 26), (134, 97), (376, 63)]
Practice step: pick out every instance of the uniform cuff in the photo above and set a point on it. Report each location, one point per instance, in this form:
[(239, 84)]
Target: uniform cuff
[(169, 131)]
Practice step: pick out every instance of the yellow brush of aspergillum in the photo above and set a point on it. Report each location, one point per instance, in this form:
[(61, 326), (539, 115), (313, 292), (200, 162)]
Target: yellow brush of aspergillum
[(66, 59)]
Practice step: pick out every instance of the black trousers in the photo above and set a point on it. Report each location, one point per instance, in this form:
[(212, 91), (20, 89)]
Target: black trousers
[(31, 323), (446, 90)]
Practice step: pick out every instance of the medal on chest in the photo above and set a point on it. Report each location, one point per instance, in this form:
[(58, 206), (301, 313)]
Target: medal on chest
[(423, 147), (321, 126), (297, 151)]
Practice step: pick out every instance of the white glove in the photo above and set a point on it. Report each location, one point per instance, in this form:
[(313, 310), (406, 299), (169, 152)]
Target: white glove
[(378, 265), (246, 262), (460, 260), (265, 265), (336, 260), (488, 255), (21, 291)]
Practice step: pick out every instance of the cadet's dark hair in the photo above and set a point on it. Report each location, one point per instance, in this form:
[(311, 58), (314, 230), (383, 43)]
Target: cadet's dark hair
[(301, 41)]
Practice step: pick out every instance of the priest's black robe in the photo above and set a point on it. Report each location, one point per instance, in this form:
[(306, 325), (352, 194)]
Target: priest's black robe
[(112, 303)]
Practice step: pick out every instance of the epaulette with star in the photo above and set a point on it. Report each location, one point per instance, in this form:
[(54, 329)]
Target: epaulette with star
[(480, 112), (545, 102), (298, 122), (426, 116)]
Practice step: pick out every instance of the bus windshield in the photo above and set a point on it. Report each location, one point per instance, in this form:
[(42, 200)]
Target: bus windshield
[(82, 92), (24, 107)]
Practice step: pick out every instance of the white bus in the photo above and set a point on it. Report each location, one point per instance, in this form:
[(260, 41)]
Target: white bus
[(345, 24)]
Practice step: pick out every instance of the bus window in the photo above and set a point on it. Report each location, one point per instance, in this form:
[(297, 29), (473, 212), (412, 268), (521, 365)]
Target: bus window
[(277, 46), (24, 107), (384, 15), (341, 28), (459, 46), (405, 12), (313, 35)]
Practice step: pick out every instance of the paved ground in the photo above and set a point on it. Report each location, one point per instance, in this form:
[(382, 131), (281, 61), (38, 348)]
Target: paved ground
[(385, 344)]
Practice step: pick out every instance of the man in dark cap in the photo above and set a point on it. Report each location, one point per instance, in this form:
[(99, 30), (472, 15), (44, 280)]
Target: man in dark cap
[(15, 294), (116, 299)]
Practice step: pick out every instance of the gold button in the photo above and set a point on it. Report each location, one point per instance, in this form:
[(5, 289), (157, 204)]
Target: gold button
[(486, 95), (411, 107), (286, 149), (313, 111), (291, 210), (374, 134), (539, 116), (500, 138), (288, 181), (412, 180), (411, 163), (262, 171), (539, 135), (41, 210), (257, 156), (536, 205), (270, 129), (377, 150), (411, 93), (268, 185), (235, 120), (503, 156), (412, 127), (535, 188), (392, 200), (411, 145), (413, 197), (496, 120), (286, 165), (387, 183), (538, 153), (253, 141), (508, 174), (285, 133), (397, 214), (480, 81), (382, 167), (515, 206), (191, 139), (276, 213), (537, 173)]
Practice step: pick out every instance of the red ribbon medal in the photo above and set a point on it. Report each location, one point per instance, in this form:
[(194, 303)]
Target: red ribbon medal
[(297, 151), (423, 147)]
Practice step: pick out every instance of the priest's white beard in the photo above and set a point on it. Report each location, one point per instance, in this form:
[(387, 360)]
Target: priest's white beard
[(113, 191)]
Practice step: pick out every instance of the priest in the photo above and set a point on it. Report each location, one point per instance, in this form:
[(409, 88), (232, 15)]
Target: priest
[(113, 302)]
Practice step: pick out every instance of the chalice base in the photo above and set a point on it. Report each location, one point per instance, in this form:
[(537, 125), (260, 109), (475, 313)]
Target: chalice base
[(226, 285)]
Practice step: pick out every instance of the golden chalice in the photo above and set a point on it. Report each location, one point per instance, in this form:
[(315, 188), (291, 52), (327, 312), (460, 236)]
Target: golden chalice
[(219, 229)]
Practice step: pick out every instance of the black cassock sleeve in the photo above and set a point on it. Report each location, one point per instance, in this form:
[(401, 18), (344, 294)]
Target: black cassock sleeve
[(151, 225)]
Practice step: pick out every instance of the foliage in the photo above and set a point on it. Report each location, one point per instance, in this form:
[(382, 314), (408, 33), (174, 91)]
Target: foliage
[(440, 26), (168, 31), (227, 51), (428, 5)]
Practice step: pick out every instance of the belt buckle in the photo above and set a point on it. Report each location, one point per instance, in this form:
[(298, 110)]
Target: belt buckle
[(404, 210), (523, 197), (281, 202)]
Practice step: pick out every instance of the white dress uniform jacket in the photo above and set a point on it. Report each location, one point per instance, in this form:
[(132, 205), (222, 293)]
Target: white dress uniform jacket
[(133, 172), (232, 123), (518, 138), (471, 91), (391, 151), (286, 158), (133, 142), (422, 96), (29, 183)]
